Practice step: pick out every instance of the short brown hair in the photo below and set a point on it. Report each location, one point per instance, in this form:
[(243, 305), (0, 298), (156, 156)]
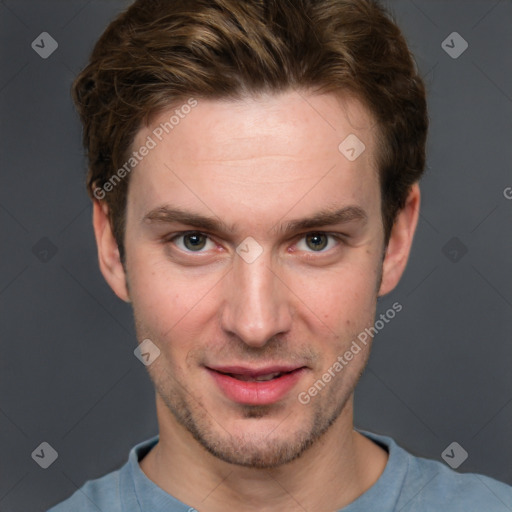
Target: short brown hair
[(160, 52)]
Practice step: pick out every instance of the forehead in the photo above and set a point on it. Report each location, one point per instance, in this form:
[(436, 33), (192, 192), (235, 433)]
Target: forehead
[(267, 155), (292, 123)]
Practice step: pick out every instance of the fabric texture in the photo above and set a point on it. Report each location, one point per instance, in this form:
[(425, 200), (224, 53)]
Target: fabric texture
[(408, 484)]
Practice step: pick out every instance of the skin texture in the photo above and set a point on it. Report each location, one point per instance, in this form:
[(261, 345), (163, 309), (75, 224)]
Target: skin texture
[(257, 164)]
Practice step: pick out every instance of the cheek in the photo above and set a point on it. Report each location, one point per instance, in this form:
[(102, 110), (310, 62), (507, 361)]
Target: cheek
[(160, 298), (345, 303), (341, 295)]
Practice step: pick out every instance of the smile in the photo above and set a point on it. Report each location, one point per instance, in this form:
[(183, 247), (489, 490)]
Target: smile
[(256, 387)]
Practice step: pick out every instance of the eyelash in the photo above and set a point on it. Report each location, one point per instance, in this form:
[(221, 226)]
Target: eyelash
[(338, 237)]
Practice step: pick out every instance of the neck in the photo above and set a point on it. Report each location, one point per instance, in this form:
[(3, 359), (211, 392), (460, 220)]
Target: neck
[(336, 470)]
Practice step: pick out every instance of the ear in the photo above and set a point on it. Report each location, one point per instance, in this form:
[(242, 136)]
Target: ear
[(108, 252), (400, 242)]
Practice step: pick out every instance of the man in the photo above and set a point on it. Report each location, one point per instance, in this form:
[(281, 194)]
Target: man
[(254, 169)]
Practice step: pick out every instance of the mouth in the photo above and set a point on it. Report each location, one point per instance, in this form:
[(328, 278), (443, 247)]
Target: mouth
[(260, 378), (251, 386)]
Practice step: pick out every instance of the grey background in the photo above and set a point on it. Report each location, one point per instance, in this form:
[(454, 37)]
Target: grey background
[(439, 372)]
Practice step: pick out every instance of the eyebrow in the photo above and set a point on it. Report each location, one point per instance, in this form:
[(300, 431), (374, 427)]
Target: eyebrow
[(168, 215)]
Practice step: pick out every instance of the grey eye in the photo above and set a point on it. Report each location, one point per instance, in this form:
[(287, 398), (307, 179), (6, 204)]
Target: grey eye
[(317, 241), (194, 241)]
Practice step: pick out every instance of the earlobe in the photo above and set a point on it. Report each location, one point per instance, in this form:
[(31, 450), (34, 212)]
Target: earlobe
[(400, 242), (108, 251)]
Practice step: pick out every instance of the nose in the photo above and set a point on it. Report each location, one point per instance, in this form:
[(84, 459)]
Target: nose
[(256, 306)]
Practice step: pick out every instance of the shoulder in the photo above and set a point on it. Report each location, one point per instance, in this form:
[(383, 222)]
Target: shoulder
[(416, 484), (430, 483), (99, 494), (113, 492)]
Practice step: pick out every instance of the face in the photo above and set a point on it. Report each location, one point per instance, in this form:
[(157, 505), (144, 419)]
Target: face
[(254, 252)]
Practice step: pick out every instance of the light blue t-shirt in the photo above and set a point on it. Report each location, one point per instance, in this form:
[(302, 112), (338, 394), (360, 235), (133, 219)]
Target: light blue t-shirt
[(408, 484)]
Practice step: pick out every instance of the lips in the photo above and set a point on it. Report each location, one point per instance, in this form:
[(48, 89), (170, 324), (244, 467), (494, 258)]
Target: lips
[(256, 386)]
